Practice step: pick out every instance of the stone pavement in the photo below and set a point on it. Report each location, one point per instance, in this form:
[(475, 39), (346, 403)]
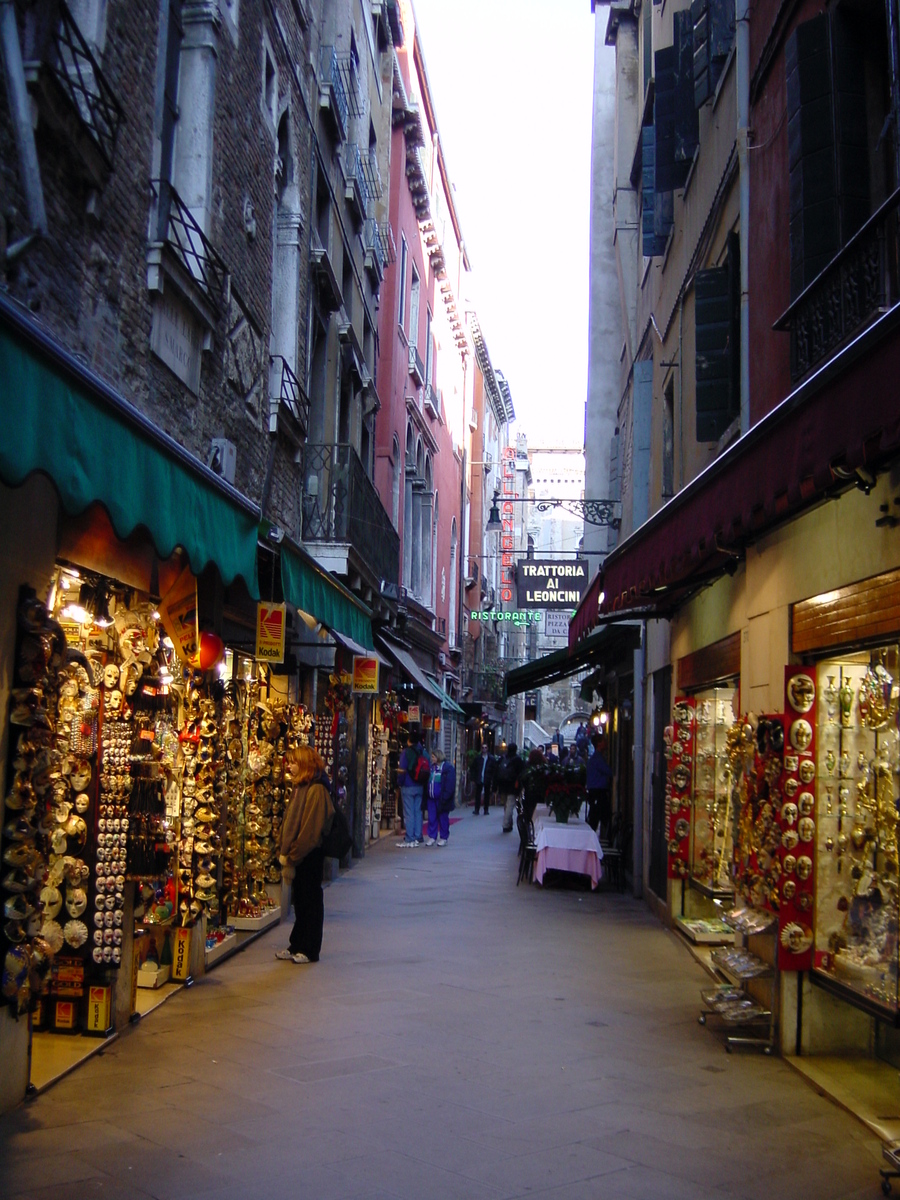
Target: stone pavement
[(460, 1037)]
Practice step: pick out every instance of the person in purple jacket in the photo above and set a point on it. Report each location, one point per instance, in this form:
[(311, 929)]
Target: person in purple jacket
[(441, 799)]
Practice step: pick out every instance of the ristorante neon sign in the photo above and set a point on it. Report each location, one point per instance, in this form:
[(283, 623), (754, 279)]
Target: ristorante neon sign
[(508, 536)]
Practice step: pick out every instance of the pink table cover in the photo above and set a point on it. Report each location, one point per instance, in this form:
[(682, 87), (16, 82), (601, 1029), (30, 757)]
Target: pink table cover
[(570, 847)]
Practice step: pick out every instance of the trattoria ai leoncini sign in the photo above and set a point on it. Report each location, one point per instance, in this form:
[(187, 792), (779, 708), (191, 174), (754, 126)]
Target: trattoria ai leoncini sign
[(551, 583)]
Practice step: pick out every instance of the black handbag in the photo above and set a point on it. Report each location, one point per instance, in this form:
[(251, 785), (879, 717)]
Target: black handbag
[(338, 840)]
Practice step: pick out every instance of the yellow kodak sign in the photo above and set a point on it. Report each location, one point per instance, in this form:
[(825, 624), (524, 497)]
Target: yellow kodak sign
[(365, 674), (270, 623)]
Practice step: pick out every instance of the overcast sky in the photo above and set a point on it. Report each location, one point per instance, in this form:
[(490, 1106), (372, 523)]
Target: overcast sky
[(512, 84)]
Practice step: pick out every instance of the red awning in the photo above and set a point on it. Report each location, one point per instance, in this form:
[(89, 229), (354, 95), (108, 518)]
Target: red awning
[(838, 428), (587, 612)]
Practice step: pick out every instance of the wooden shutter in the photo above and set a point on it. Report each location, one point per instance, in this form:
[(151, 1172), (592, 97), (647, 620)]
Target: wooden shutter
[(713, 36), (653, 239), (717, 349), (811, 159), (664, 120), (687, 130)]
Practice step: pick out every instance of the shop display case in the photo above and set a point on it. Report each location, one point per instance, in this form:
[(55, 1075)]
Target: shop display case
[(712, 816), (857, 765)]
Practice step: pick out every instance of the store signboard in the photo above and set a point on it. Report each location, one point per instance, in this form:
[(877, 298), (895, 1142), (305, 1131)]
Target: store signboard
[(181, 957), (99, 1001), (178, 611), (427, 720), (557, 623), (365, 674), (413, 714), (270, 625), (551, 583)]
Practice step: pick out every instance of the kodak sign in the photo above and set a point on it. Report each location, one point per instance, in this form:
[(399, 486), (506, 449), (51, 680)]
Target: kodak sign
[(270, 623)]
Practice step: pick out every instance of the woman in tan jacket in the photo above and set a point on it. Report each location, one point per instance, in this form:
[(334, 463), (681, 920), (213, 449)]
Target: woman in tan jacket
[(306, 822)]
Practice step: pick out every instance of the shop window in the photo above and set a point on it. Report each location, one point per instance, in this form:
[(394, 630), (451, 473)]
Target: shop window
[(841, 143), (850, 811), (717, 315)]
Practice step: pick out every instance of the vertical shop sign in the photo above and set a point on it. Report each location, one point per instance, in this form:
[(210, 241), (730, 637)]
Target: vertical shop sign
[(181, 959), (270, 625), (365, 674), (413, 714), (178, 611), (98, 1010), (508, 536)]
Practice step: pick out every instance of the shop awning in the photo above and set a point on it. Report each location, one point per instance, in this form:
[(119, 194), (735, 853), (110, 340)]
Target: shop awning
[(309, 587), (585, 617), (60, 418), (447, 701), (837, 429), (407, 663), (606, 645)]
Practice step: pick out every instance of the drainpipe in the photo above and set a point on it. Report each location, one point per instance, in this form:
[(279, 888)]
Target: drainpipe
[(742, 32), (20, 108)]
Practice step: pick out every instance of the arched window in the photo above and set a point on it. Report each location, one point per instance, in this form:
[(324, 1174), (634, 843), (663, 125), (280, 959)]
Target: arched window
[(453, 583), (395, 483)]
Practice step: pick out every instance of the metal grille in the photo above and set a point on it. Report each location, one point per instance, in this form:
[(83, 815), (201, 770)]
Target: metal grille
[(78, 74), (178, 229), (293, 397), (340, 504)]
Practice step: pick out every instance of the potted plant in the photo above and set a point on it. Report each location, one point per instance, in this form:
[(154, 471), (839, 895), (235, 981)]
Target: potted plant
[(565, 792)]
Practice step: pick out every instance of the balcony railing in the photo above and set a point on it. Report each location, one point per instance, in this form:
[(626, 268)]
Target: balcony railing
[(356, 189), (332, 90), (372, 173), (293, 397), (340, 504), (374, 248), (487, 687), (54, 42), (416, 366), (178, 229), (859, 283)]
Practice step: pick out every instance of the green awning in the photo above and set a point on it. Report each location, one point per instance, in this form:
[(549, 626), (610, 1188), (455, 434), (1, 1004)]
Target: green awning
[(59, 418), (311, 588), (446, 700), (608, 644)]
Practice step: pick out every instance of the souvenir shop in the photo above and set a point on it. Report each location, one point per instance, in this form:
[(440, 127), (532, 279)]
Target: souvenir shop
[(149, 704)]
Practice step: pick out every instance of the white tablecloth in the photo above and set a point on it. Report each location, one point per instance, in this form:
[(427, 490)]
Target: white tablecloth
[(570, 847)]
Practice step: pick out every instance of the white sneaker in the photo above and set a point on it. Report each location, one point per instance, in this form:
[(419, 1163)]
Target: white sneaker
[(429, 841), (299, 958), (284, 955), (442, 841)]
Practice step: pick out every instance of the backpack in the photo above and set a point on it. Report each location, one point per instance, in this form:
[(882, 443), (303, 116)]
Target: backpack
[(338, 840), (421, 770)]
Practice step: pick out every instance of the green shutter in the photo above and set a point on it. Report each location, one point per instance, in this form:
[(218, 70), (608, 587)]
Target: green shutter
[(687, 125), (700, 24), (850, 124), (717, 348), (664, 120), (713, 37)]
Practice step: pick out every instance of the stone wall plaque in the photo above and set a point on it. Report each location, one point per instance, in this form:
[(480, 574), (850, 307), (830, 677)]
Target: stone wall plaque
[(176, 337)]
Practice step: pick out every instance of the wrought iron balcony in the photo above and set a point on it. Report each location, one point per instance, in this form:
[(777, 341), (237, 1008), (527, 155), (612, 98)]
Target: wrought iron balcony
[(416, 366), (68, 81), (431, 402), (857, 285), (374, 249), (332, 89), (372, 173), (340, 505), (293, 399), (356, 189), (181, 233), (487, 687)]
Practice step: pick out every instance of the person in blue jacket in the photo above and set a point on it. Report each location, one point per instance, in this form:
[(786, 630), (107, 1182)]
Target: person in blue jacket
[(597, 781), (441, 799)]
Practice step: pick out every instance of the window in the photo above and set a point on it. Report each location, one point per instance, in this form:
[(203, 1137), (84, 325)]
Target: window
[(401, 310), (395, 483), (413, 330), (656, 207), (840, 142), (269, 83), (173, 36), (429, 349), (676, 119), (454, 556), (717, 307)]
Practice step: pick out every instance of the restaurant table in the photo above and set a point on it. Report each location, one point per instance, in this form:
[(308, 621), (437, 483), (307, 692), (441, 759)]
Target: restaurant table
[(573, 846)]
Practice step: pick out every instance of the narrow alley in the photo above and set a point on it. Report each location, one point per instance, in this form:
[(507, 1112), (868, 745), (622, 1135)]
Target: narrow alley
[(461, 1037)]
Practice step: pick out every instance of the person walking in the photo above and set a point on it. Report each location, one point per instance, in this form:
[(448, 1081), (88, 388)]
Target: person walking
[(509, 774), (441, 799), (597, 781), (411, 780), (483, 769), (307, 820)]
